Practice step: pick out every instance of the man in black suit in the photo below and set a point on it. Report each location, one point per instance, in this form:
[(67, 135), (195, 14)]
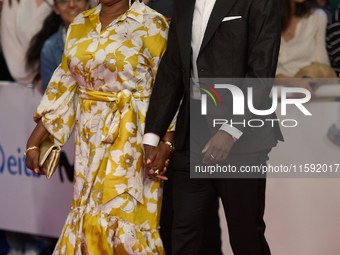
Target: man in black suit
[(222, 38)]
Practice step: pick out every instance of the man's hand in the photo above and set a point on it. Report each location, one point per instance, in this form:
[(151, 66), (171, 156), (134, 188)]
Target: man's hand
[(218, 147), (156, 158)]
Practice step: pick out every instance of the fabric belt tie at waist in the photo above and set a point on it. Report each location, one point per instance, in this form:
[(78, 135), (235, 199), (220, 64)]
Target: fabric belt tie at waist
[(120, 121), (123, 110)]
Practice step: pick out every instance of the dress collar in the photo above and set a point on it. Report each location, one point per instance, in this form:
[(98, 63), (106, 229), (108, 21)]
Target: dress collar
[(136, 12)]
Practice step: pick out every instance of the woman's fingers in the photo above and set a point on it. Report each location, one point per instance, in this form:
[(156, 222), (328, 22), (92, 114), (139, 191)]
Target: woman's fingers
[(32, 160)]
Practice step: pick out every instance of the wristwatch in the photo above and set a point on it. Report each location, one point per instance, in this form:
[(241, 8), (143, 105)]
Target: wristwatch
[(171, 145)]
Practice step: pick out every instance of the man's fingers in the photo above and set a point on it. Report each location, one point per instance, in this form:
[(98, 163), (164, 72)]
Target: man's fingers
[(148, 149), (153, 177), (206, 147), (219, 156), (218, 148), (150, 159), (208, 157), (158, 177), (166, 163), (151, 156), (147, 168), (156, 161), (161, 177), (207, 151)]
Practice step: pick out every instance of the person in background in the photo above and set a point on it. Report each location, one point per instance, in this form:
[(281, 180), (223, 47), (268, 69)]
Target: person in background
[(325, 6), (4, 74), (47, 46), (303, 45), (15, 243), (20, 21), (333, 41)]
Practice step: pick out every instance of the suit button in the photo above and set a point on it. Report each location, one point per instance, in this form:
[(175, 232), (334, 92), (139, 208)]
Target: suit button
[(202, 70)]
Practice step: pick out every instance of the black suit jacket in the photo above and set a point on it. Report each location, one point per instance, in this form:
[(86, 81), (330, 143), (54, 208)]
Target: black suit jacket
[(240, 48)]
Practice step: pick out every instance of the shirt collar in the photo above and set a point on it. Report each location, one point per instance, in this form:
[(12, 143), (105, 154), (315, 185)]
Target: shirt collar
[(136, 12)]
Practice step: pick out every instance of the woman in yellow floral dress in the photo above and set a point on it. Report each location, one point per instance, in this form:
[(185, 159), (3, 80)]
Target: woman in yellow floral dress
[(102, 89)]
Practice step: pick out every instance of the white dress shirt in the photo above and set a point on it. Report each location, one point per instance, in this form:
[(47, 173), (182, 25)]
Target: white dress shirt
[(200, 20)]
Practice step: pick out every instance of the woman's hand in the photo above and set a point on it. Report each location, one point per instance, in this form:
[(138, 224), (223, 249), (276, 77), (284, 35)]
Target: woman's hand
[(32, 160), (38, 135), (156, 160)]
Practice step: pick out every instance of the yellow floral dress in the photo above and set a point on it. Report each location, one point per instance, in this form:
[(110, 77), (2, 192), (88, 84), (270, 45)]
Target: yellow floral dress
[(101, 90)]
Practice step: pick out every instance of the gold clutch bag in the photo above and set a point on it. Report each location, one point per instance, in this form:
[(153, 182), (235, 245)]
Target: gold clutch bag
[(49, 157)]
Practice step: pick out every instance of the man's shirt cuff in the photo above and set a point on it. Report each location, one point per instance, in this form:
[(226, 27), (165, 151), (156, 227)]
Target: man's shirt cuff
[(234, 132), (151, 139)]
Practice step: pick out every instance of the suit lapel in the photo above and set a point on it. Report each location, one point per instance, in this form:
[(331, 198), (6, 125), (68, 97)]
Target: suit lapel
[(220, 10), (184, 28)]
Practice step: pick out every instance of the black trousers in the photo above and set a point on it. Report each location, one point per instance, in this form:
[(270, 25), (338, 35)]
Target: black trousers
[(212, 234), (243, 202), (193, 199)]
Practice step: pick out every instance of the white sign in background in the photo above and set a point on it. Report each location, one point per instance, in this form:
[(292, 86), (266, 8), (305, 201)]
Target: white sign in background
[(28, 203), (302, 215)]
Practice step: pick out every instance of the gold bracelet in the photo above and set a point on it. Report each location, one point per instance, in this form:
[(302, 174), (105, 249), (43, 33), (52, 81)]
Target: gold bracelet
[(32, 148), (170, 144)]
